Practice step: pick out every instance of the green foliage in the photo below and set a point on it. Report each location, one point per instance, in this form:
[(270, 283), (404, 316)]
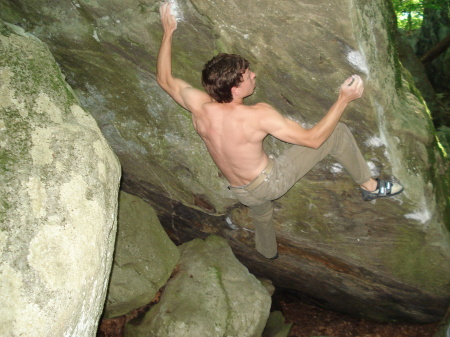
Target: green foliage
[(444, 137), (410, 12)]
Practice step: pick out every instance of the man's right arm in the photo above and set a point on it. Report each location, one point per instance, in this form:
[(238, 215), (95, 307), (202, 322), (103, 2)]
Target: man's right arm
[(287, 130), (182, 92)]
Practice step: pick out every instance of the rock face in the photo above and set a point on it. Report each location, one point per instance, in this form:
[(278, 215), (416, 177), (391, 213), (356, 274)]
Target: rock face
[(276, 326), (144, 257), (444, 329), (58, 198), (211, 294), (382, 259)]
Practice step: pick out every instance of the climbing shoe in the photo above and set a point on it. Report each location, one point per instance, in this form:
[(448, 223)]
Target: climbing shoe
[(384, 189)]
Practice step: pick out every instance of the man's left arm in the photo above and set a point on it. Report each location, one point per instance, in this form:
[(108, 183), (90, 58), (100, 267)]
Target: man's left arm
[(182, 92), (285, 129)]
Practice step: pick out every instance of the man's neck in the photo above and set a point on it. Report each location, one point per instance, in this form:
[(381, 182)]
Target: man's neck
[(237, 101)]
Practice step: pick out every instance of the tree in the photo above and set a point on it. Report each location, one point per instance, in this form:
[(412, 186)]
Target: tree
[(437, 50), (433, 41), (410, 12), (427, 23)]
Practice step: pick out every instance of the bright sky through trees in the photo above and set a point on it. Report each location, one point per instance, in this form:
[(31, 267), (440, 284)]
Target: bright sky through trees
[(410, 12)]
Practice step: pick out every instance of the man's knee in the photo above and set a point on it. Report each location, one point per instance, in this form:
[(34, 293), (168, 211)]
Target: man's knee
[(263, 210), (342, 127), (342, 132)]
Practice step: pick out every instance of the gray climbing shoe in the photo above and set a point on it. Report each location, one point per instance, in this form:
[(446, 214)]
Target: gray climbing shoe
[(275, 257), (230, 223), (384, 189)]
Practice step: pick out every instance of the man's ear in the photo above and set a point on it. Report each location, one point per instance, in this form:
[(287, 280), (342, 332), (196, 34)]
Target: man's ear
[(234, 91)]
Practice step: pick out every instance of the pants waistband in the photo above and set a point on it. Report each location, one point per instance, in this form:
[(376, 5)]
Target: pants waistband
[(258, 180)]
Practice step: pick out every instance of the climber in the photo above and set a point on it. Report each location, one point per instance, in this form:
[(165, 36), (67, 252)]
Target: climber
[(233, 134)]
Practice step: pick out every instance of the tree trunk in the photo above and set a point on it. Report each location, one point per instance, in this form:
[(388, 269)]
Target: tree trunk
[(435, 28), (437, 50)]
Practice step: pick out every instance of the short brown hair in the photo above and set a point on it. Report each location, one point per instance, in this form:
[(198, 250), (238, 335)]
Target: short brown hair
[(221, 73)]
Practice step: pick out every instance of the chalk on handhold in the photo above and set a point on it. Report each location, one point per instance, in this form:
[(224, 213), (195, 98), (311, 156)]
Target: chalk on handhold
[(358, 61), (175, 10)]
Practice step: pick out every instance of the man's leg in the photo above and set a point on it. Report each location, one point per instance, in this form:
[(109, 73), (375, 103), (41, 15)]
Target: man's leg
[(265, 239), (292, 166), (345, 150), (261, 211), (295, 162)]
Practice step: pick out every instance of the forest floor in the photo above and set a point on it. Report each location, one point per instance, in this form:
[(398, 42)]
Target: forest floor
[(311, 321)]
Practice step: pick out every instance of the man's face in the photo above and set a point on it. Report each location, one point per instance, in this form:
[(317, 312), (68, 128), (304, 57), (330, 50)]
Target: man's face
[(248, 83)]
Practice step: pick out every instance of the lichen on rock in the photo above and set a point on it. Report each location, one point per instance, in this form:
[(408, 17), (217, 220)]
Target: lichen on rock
[(59, 189)]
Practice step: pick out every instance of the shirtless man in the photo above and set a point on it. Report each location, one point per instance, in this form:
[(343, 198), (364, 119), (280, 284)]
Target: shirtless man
[(233, 134)]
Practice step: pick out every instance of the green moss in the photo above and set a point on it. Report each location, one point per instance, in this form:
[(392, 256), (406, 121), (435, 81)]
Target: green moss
[(443, 134), (411, 259), (34, 68), (408, 79), (4, 207), (441, 180), (5, 161), (389, 26), (4, 30), (217, 272), (391, 23)]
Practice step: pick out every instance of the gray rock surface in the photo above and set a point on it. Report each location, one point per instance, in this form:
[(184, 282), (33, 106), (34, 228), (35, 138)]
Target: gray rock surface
[(212, 294), (382, 259), (144, 257), (444, 327), (58, 198), (276, 326)]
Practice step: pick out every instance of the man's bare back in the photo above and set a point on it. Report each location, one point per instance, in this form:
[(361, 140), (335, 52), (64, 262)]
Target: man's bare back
[(234, 141)]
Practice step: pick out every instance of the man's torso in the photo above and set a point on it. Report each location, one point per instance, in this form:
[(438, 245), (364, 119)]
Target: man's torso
[(233, 138)]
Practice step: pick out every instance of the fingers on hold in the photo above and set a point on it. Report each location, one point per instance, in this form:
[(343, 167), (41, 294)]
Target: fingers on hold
[(164, 6)]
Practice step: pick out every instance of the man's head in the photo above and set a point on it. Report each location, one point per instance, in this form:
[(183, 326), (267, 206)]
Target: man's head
[(221, 74)]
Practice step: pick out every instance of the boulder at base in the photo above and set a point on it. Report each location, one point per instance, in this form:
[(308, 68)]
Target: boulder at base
[(144, 257), (212, 294)]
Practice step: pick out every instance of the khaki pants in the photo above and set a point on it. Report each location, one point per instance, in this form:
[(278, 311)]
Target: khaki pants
[(288, 168)]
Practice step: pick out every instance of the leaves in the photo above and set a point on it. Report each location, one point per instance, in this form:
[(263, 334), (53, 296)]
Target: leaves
[(410, 12)]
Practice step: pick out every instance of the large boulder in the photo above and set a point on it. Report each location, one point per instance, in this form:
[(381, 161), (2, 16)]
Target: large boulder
[(211, 294), (144, 257), (444, 327), (382, 259), (58, 198), (276, 326)]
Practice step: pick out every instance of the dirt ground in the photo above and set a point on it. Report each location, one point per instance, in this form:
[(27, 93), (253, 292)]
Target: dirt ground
[(311, 321), (308, 321)]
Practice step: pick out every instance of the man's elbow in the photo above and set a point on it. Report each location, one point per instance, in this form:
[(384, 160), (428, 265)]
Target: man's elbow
[(161, 82), (312, 141), (314, 144)]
